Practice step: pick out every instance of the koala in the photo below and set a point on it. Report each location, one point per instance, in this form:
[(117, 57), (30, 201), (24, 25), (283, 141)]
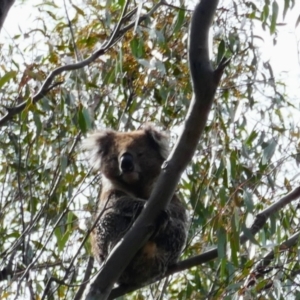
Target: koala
[(130, 163)]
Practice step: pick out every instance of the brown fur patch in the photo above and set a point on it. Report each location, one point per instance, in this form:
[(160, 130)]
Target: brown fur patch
[(150, 249)]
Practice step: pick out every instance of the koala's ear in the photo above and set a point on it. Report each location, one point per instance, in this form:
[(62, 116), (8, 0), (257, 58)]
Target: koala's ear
[(161, 139), (98, 144)]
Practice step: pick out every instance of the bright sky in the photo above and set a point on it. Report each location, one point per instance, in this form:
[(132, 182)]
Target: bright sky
[(285, 56)]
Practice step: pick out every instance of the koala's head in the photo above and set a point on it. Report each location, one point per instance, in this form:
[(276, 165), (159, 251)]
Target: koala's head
[(129, 160)]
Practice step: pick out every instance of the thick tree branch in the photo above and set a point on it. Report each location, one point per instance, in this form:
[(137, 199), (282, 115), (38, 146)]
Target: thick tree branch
[(5, 6), (204, 84), (116, 35)]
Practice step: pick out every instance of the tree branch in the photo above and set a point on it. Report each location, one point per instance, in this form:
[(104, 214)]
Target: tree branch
[(204, 86), (213, 253), (257, 225), (263, 216)]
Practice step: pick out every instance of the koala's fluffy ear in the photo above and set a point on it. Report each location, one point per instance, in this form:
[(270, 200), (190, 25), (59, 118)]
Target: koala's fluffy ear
[(98, 144), (161, 138)]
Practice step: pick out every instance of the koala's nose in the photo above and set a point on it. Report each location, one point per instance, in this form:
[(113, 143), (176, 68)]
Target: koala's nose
[(126, 162)]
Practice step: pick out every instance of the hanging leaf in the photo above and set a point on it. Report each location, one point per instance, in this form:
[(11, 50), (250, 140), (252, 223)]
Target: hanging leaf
[(7, 77), (274, 16)]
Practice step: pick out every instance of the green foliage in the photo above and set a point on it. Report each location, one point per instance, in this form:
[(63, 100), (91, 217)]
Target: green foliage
[(247, 158)]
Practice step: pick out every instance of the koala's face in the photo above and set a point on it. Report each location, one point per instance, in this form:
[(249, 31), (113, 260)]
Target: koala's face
[(130, 159)]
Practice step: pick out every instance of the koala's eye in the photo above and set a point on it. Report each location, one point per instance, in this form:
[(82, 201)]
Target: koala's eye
[(140, 154)]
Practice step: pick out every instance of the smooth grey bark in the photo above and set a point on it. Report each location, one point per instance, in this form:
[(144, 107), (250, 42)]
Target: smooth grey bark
[(205, 81), (5, 6)]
